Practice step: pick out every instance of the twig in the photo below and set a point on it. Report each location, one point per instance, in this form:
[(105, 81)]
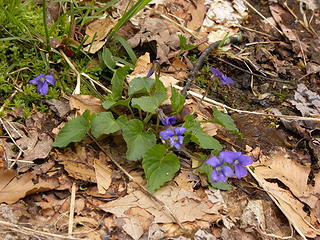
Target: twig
[(205, 53), (142, 188), (30, 231), (72, 205), (213, 102), (77, 88), (306, 75)]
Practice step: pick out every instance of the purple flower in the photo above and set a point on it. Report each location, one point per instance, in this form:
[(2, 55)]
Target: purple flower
[(150, 73), (175, 136), (220, 172), (222, 78), (238, 160), (166, 121), (42, 83)]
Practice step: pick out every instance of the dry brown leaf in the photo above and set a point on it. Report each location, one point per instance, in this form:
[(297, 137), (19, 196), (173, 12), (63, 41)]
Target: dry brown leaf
[(61, 108), (133, 227), (84, 102), (103, 175), (98, 29), (211, 128), (185, 205), (94, 47), (253, 215), (13, 188), (197, 15), (294, 176), (79, 170)]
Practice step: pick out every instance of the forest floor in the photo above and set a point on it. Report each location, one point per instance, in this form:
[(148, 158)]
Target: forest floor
[(79, 192)]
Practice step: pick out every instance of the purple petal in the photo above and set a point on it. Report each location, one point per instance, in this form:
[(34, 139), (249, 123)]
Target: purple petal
[(245, 160), (37, 79), (172, 141), (215, 71), (166, 134), (214, 161), (222, 78), (180, 139), (180, 130), (177, 145), (151, 71), (240, 171), (50, 79), (226, 80), (168, 121), (227, 171), (214, 176), (42, 88), (221, 177), (229, 156)]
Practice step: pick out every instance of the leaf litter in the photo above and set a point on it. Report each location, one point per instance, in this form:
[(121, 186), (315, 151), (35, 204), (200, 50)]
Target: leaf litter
[(293, 186)]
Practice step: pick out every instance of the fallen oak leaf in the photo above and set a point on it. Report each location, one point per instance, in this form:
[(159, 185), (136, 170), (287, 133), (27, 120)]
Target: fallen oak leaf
[(14, 187)]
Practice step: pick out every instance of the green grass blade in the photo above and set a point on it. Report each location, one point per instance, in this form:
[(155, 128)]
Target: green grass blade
[(127, 47)]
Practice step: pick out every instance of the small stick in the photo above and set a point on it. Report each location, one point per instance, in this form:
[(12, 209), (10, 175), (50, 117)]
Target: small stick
[(213, 102), (72, 205), (205, 53)]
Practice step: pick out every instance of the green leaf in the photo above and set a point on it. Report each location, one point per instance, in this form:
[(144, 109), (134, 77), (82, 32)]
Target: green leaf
[(177, 100), (149, 103), (104, 123), (159, 166), (74, 130), (138, 140), (207, 170), (183, 43), (127, 47), (122, 121), (107, 104), (198, 136), (117, 81), (225, 121), (205, 141), (141, 86), (107, 58)]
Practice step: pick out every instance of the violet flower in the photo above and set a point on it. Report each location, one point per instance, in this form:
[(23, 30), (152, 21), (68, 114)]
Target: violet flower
[(220, 172), (166, 121), (222, 78), (174, 135), (42, 83), (238, 160)]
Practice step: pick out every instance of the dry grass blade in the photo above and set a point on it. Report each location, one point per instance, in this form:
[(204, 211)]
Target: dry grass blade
[(32, 232)]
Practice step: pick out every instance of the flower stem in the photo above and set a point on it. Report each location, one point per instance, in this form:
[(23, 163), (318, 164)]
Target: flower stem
[(45, 23)]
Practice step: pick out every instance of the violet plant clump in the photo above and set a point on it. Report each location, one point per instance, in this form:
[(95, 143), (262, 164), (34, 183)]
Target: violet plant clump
[(222, 78), (222, 166), (42, 81)]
